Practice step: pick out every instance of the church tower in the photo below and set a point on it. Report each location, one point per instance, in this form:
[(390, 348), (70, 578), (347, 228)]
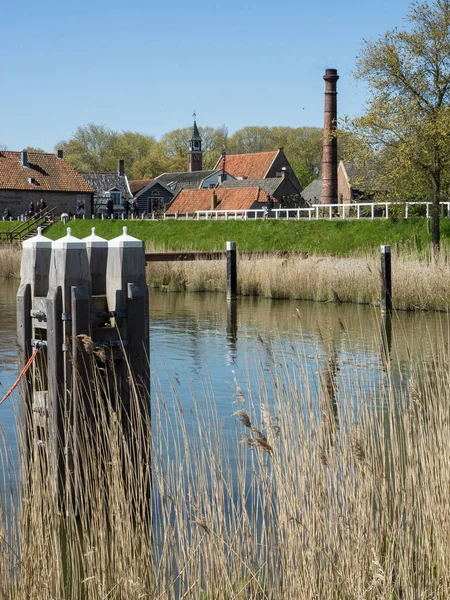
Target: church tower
[(195, 149)]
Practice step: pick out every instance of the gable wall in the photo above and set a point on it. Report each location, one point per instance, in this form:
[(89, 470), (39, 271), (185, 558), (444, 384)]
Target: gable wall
[(158, 191), (344, 189)]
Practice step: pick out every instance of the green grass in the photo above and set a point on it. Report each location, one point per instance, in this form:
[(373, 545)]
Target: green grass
[(9, 225), (337, 238)]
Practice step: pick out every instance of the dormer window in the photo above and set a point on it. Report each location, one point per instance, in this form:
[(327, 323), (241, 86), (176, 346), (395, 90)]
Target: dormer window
[(32, 181), (115, 196)]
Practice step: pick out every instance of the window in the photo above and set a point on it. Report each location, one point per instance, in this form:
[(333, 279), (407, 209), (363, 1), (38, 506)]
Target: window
[(116, 197)]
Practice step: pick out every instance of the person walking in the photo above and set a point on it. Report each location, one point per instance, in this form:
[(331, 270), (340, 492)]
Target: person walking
[(134, 208), (110, 208), (126, 207)]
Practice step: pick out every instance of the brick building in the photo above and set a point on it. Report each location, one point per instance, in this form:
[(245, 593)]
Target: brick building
[(31, 176)]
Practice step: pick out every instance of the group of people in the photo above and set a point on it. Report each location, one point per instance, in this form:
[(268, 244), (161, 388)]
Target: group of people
[(41, 208), (127, 206)]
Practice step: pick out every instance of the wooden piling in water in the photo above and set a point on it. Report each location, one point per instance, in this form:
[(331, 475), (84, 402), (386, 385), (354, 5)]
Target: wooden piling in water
[(386, 280), (78, 297), (231, 271)]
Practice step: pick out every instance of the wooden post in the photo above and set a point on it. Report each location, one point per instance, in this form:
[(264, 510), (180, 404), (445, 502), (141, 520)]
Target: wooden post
[(55, 362), (25, 388), (386, 283), (231, 271), (386, 339), (82, 401)]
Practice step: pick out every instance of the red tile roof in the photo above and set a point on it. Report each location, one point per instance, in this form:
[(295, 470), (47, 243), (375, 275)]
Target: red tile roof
[(52, 174), (189, 201), (136, 185), (250, 166)]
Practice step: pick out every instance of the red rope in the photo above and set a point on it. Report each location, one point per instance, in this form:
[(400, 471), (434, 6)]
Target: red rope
[(21, 375)]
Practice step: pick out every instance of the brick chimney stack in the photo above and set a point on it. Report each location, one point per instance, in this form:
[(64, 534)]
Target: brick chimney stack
[(121, 167), (329, 159)]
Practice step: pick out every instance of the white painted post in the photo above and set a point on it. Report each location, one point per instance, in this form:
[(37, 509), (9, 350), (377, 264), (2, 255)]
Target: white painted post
[(406, 210), (372, 211), (317, 212), (387, 210), (329, 211), (298, 214), (428, 210)]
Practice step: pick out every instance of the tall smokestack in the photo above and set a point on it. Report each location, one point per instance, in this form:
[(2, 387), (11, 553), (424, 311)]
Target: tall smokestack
[(329, 159)]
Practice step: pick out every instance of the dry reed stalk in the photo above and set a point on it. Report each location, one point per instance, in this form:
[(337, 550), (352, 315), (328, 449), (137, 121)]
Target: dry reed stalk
[(10, 258), (417, 285), (351, 501)]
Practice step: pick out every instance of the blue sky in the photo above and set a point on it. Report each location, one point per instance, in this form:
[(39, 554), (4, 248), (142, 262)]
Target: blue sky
[(146, 65)]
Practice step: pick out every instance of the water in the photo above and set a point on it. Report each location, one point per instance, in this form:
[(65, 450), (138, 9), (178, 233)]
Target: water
[(205, 351)]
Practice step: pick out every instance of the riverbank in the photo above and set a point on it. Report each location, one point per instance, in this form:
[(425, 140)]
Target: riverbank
[(420, 281), (325, 238)]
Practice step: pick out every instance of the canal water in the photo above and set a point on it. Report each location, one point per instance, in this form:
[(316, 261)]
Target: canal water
[(206, 352)]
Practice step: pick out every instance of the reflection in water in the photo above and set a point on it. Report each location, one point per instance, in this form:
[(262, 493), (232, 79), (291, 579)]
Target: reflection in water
[(231, 331), (202, 347)]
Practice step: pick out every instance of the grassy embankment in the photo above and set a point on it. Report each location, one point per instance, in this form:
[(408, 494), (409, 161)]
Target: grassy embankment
[(342, 264), (331, 495)]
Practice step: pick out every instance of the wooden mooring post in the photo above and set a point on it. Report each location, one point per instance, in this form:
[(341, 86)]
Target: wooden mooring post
[(84, 305), (231, 271), (386, 280)]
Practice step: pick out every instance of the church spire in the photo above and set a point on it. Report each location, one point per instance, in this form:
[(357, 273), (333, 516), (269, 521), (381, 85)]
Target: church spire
[(195, 149)]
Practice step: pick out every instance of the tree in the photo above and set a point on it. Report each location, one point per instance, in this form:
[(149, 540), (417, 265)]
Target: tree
[(88, 148), (406, 125), (175, 146), (34, 149)]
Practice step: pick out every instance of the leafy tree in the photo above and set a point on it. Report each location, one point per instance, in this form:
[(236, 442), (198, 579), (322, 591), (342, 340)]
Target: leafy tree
[(34, 149), (89, 148), (175, 145), (406, 125)]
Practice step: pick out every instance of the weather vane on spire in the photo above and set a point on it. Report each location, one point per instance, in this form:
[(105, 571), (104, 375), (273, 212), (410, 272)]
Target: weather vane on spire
[(194, 115)]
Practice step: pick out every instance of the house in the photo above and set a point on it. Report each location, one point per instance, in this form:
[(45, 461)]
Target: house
[(234, 199), (312, 194), (259, 165), (152, 195), (109, 185), (282, 189), (192, 180), (31, 176), (355, 184)]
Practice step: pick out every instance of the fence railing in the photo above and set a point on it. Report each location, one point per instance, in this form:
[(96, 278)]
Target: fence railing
[(363, 210), (43, 218)]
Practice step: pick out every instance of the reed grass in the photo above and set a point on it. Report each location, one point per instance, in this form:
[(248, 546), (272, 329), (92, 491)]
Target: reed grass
[(416, 284), (340, 490), (10, 258), (419, 282)]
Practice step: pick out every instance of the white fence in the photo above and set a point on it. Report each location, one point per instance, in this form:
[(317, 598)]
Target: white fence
[(363, 210)]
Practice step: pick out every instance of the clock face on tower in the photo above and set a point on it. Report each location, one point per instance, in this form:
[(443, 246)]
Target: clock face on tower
[(196, 157)]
